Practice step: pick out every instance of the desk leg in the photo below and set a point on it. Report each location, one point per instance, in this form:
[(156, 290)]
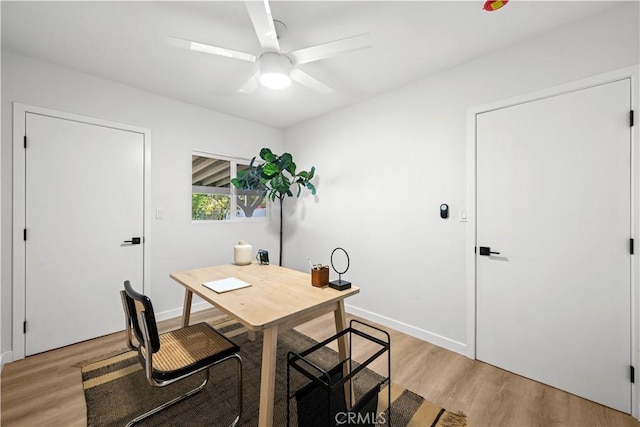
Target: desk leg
[(186, 308), (343, 347), (268, 377), (341, 324)]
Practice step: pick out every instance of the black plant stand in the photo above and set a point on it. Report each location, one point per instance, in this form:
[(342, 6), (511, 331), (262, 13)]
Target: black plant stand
[(321, 400)]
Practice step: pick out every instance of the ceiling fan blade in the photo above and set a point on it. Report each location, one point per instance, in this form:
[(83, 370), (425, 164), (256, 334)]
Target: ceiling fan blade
[(250, 85), (260, 14), (326, 50), (207, 48), (311, 82)]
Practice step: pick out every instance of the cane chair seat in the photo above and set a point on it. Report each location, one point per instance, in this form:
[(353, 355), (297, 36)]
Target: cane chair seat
[(188, 349)]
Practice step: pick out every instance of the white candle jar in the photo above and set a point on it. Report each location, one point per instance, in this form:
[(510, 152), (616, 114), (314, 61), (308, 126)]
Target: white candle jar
[(242, 253)]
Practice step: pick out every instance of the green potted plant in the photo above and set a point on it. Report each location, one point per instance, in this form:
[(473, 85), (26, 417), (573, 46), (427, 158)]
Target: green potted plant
[(249, 184), (274, 179)]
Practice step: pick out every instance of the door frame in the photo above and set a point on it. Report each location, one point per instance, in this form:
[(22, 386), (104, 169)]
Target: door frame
[(19, 196), (632, 73)]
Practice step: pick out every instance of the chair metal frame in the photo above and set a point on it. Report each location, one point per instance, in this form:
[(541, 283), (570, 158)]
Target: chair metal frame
[(148, 345)]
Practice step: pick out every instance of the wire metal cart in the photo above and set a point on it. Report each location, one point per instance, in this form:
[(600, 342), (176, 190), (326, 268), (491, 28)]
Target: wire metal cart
[(324, 391)]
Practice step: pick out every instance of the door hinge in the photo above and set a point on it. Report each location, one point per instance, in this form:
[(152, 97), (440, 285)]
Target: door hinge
[(631, 246), (24, 234), (632, 374), (631, 118), (24, 327), (25, 141)]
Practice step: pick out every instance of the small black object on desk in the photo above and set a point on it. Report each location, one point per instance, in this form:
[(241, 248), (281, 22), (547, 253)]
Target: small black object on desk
[(339, 284), (263, 257)]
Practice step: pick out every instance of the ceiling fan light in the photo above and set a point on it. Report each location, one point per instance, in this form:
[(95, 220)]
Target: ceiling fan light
[(275, 71), (275, 80)]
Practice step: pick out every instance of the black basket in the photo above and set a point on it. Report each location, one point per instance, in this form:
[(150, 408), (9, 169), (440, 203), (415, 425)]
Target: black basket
[(313, 407)]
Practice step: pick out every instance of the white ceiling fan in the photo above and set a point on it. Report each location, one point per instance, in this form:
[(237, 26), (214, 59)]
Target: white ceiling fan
[(277, 68)]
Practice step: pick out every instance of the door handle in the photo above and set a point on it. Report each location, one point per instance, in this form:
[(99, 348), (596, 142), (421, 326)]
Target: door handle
[(486, 251), (134, 241)]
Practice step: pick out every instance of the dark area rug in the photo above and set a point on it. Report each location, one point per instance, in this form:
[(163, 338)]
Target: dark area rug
[(116, 391)]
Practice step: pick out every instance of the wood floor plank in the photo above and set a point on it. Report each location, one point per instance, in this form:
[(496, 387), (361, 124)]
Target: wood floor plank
[(46, 389)]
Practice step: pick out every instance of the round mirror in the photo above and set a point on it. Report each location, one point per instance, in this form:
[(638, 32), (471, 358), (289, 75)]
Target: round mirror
[(340, 262)]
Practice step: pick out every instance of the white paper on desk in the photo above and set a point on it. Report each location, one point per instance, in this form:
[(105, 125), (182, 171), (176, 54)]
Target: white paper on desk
[(226, 285)]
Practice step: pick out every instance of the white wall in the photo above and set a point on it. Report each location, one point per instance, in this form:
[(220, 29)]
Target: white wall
[(176, 129), (2, 362), (386, 164), (384, 167)]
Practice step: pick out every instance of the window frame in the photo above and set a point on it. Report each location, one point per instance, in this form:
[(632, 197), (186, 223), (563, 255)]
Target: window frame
[(232, 193)]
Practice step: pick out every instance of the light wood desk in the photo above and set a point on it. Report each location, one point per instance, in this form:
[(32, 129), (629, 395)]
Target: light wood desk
[(279, 299)]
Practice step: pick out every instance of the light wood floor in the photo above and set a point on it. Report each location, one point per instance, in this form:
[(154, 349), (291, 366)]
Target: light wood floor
[(46, 389)]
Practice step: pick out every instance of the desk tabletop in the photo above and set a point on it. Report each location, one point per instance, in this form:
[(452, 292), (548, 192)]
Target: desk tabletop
[(276, 294)]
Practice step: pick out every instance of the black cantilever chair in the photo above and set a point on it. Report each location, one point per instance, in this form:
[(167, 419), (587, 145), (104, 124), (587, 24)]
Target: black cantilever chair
[(170, 357)]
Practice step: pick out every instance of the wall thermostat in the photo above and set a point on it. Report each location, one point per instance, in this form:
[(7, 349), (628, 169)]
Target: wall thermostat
[(444, 210)]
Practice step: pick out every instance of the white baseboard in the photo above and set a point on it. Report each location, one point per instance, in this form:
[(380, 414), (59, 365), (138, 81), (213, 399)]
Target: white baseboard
[(177, 312), (6, 357), (422, 334)]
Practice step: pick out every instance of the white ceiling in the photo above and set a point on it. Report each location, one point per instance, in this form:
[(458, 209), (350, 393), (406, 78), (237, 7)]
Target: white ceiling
[(125, 42)]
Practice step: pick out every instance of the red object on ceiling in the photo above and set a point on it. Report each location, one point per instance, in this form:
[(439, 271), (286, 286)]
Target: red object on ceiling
[(493, 5)]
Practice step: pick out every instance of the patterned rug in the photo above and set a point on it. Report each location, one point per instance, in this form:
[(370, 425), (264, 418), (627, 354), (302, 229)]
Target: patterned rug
[(116, 391)]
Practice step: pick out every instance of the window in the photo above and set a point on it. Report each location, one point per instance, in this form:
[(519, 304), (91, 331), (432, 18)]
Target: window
[(214, 198)]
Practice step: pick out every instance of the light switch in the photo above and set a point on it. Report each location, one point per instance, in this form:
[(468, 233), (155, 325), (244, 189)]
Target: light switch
[(159, 213), (463, 215)]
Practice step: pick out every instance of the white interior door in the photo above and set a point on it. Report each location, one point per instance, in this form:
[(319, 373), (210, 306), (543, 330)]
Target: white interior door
[(84, 199), (553, 198)]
